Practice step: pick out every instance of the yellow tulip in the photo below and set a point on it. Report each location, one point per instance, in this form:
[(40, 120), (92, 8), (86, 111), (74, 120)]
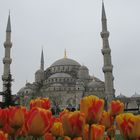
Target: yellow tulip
[(92, 107), (106, 120)]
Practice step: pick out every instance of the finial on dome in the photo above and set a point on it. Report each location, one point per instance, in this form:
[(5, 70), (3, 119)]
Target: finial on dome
[(65, 54)]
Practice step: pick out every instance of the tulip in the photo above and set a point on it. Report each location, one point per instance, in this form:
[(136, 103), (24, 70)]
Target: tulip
[(16, 117), (116, 107), (3, 136), (48, 136), (106, 120), (73, 123), (97, 132), (40, 102), (38, 121), (9, 130), (127, 125), (63, 112), (86, 131), (67, 138), (137, 127), (92, 107), (3, 117), (111, 132), (57, 129)]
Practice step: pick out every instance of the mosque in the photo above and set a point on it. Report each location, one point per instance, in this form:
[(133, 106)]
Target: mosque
[(66, 81)]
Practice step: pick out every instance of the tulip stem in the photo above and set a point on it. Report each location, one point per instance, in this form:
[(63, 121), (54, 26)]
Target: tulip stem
[(89, 132)]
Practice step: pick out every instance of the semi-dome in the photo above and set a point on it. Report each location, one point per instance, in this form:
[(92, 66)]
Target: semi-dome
[(65, 62)]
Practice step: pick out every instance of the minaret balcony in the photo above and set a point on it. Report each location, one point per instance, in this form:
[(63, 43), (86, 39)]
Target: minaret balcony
[(106, 50), (107, 69), (7, 44), (7, 60), (104, 34)]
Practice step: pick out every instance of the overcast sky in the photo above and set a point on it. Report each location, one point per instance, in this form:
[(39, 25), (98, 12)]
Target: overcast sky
[(74, 25)]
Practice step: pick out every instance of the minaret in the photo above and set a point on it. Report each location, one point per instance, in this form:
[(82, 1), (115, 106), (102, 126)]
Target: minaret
[(7, 60), (42, 61), (108, 67)]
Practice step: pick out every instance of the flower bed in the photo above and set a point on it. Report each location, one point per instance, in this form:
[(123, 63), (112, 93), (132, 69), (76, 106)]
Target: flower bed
[(91, 122)]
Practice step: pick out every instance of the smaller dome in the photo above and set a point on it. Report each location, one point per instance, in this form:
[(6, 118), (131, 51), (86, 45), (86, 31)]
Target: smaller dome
[(136, 95), (121, 96), (83, 68), (39, 71), (61, 75)]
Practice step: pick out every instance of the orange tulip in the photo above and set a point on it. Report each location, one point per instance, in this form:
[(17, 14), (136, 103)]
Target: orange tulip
[(63, 112), (3, 117), (116, 107), (3, 136), (106, 120), (38, 121), (86, 131), (57, 129), (129, 125), (67, 138), (92, 107), (9, 130), (40, 102), (22, 131), (97, 132), (49, 136), (16, 117), (77, 138), (111, 132), (73, 123)]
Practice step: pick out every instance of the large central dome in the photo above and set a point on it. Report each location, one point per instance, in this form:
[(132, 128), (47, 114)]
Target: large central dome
[(65, 62)]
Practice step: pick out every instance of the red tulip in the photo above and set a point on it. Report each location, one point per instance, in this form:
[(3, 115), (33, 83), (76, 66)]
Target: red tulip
[(3, 117), (116, 107), (49, 136)]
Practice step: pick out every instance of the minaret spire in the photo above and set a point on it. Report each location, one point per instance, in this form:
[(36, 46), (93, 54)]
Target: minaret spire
[(106, 51), (42, 61), (7, 60), (8, 29)]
